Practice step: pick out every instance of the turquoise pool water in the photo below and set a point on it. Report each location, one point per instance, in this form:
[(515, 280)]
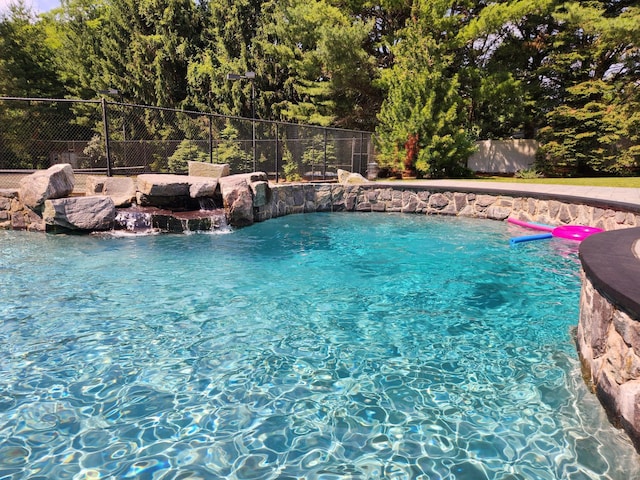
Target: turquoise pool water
[(322, 346)]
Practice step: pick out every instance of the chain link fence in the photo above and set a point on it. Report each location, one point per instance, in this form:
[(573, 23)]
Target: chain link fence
[(113, 138)]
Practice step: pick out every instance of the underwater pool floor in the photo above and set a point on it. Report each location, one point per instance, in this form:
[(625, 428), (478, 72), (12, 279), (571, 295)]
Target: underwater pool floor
[(328, 346)]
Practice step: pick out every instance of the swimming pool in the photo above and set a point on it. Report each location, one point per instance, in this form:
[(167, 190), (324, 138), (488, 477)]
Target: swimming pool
[(316, 346)]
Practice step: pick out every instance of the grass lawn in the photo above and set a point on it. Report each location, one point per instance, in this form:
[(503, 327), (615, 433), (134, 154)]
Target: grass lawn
[(627, 182)]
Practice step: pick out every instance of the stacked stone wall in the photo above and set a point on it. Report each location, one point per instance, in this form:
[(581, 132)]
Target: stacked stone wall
[(287, 199), (14, 215), (608, 341), (304, 198)]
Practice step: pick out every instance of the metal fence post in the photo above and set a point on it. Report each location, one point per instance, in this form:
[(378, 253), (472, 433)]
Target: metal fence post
[(107, 147), (324, 163), (361, 148), (277, 148), (210, 138), (353, 152)]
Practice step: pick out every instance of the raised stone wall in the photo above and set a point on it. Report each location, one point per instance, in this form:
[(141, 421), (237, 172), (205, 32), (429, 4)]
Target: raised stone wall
[(302, 198), (15, 216), (608, 342), (286, 199), (608, 335)]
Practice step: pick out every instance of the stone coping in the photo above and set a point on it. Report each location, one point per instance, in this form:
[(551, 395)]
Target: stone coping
[(521, 190), (611, 261)]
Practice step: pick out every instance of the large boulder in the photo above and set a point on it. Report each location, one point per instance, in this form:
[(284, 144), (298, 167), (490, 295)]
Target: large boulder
[(163, 185), (202, 169), (237, 198), (55, 182), (348, 178), (122, 190), (80, 213), (259, 184), (168, 185), (241, 193), (165, 191), (200, 187), (260, 190)]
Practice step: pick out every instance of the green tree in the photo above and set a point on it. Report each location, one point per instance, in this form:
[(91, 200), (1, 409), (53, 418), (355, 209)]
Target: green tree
[(78, 28), (593, 133), (187, 151), (229, 29), (229, 150), (320, 70), (145, 48), (422, 120), (317, 153), (94, 153), (290, 167), (593, 128), (27, 59), (502, 52), (28, 69)]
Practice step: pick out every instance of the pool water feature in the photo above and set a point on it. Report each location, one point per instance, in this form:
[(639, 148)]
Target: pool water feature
[(310, 346)]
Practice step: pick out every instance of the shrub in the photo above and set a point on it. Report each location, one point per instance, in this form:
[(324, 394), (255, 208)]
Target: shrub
[(187, 151)]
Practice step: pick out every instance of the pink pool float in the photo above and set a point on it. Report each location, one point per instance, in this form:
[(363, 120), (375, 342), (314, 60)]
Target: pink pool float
[(569, 232), (574, 232)]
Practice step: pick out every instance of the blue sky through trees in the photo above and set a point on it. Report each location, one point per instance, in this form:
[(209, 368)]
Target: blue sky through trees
[(39, 6)]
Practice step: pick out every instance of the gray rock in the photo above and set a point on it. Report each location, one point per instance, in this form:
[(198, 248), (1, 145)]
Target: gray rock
[(202, 186), (80, 213), (252, 177), (9, 193), (259, 184), (347, 178), (355, 179), (629, 402), (438, 201), (122, 190), (156, 185), (202, 169), (496, 212), (260, 193), (342, 175), (237, 198), (55, 182), (163, 185)]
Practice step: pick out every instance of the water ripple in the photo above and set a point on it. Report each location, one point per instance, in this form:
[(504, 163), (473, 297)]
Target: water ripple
[(324, 346)]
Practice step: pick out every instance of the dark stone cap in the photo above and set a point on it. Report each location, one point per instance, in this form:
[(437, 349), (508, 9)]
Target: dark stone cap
[(610, 261)]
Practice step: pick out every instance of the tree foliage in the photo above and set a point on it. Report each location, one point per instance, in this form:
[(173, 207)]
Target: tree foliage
[(593, 128), (225, 43), (27, 57), (319, 61), (428, 75), (187, 151), (145, 49), (423, 105)]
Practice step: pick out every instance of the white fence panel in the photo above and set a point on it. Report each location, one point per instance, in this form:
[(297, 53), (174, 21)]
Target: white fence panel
[(503, 156)]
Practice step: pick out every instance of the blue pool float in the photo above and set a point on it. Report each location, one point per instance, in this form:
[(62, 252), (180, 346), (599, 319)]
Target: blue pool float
[(529, 238)]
